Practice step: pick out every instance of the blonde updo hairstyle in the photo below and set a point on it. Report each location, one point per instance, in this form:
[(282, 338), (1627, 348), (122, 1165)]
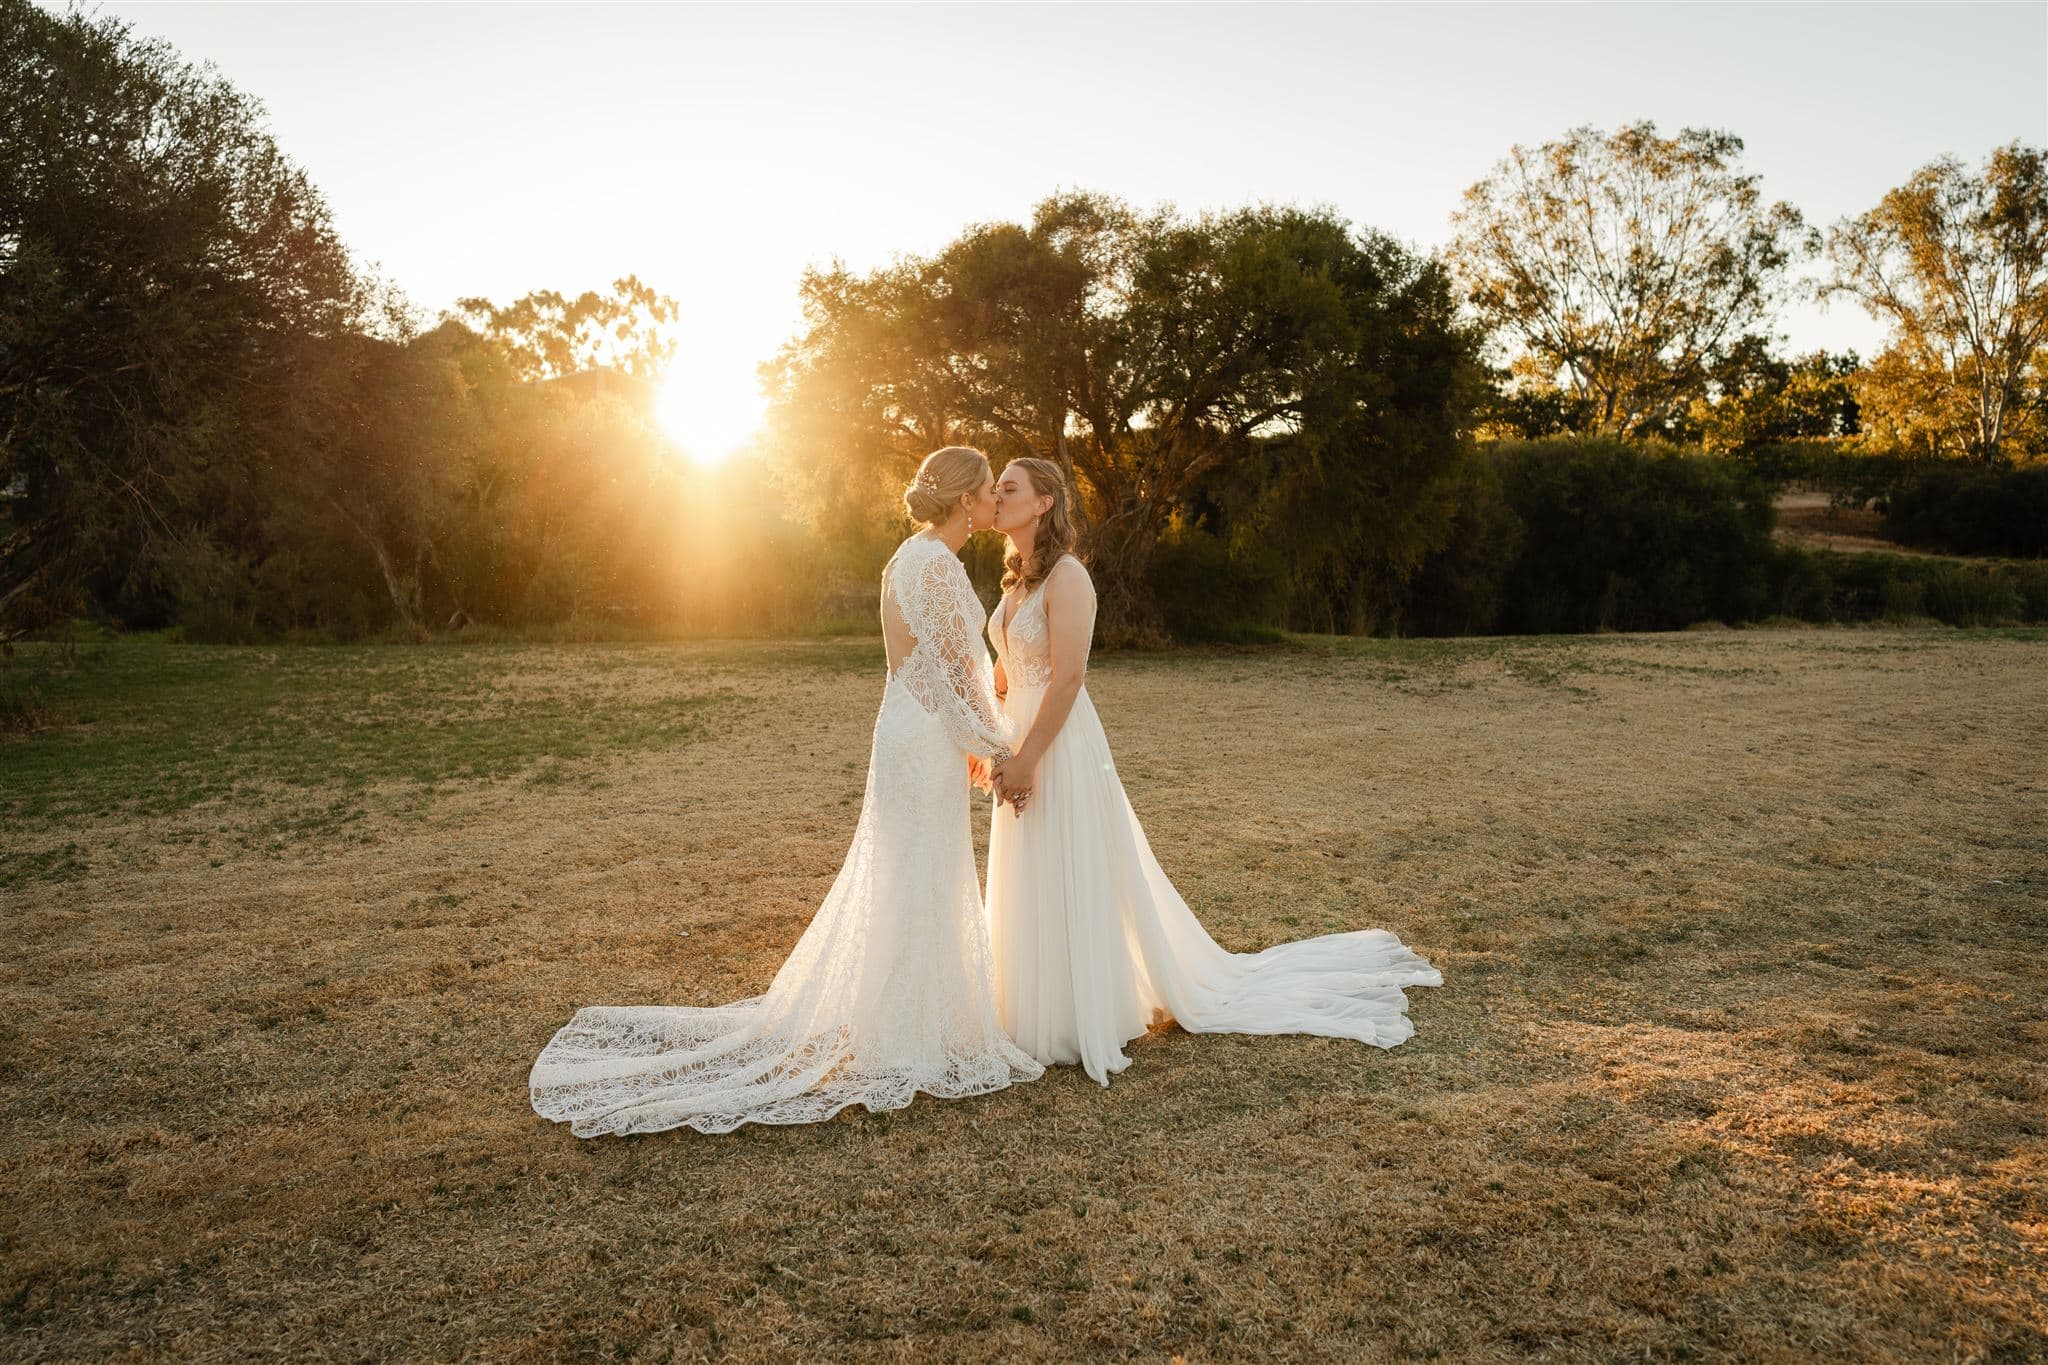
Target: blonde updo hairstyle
[(1055, 535), (945, 474)]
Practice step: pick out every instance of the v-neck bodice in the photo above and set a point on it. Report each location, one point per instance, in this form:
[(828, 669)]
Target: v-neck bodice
[(1022, 638)]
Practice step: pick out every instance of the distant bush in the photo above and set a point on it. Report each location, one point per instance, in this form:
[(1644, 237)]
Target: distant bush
[(1851, 474), (1969, 509), (25, 706), (1461, 589), (1205, 593), (1827, 585), (2030, 581), (1619, 535), (1970, 595), (26, 703), (1575, 533)]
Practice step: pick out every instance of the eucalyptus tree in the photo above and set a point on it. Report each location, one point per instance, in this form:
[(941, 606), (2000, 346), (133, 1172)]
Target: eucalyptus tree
[(1625, 267), (1957, 262), (549, 335)]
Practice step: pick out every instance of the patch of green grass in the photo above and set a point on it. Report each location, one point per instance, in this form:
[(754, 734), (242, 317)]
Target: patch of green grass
[(839, 654), (159, 728), (1432, 664), (51, 865)]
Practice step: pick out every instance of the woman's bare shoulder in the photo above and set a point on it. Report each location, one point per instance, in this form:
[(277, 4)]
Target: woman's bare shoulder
[(1069, 577)]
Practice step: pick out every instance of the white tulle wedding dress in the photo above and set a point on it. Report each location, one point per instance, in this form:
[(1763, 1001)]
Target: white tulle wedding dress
[(1093, 944), (890, 990)]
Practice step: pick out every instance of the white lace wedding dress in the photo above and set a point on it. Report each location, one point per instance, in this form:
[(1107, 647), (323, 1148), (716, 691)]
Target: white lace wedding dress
[(1093, 944), (889, 991)]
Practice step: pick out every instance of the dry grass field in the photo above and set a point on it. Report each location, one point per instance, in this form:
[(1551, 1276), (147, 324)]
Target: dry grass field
[(1742, 1051)]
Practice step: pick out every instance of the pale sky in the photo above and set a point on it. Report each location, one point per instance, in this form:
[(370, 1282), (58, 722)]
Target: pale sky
[(716, 150)]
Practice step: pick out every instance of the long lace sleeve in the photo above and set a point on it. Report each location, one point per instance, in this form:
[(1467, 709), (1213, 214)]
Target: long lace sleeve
[(953, 679)]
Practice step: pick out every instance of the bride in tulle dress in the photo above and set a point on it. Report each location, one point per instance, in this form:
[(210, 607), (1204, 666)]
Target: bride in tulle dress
[(1092, 943), (889, 990)]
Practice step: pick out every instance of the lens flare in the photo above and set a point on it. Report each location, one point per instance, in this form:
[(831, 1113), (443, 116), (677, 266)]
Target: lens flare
[(706, 424)]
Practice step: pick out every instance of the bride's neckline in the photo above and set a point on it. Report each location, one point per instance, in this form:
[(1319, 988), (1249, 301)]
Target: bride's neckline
[(1009, 609)]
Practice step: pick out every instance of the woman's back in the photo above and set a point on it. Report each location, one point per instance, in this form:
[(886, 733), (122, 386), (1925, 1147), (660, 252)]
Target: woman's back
[(897, 637), (931, 631)]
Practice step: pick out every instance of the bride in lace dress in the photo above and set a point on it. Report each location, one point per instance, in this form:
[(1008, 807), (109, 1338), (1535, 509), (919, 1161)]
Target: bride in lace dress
[(889, 990), (1092, 943)]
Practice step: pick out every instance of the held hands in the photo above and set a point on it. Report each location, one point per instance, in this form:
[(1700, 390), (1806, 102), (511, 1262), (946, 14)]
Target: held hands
[(1012, 781), (983, 776)]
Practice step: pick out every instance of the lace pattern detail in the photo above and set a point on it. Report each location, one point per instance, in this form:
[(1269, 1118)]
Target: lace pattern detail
[(1024, 640), (888, 992), (948, 669)]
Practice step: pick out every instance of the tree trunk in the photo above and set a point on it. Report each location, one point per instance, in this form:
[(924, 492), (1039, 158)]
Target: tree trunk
[(1119, 551), (403, 600), (402, 594)]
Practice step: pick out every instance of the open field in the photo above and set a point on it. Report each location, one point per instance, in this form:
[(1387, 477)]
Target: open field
[(1742, 1051)]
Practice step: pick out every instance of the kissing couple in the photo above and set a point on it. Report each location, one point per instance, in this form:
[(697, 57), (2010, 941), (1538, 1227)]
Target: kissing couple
[(907, 979)]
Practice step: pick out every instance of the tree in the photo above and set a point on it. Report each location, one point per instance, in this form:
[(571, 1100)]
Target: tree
[(1958, 265), (161, 262), (386, 425), (1761, 399), (1625, 265), (1141, 352), (1522, 405), (548, 335)]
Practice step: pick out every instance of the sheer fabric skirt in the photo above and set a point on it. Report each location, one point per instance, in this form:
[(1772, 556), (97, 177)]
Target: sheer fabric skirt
[(889, 990), (1093, 944)]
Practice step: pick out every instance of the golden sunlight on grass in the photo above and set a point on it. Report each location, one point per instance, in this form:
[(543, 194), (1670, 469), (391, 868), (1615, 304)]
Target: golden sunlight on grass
[(707, 421), (1741, 1052)]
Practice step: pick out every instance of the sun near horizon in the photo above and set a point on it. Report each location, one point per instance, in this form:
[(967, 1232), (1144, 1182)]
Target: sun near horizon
[(708, 420)]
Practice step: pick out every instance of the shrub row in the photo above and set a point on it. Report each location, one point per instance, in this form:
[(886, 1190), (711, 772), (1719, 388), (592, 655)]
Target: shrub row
[(1828, 585), (1971, 510), (1626, 537), (1571, 534)]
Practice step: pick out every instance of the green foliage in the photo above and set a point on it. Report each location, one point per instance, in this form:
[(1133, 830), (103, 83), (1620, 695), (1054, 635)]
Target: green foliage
[(2030, 582), (218, 427), (1829, 586), (547, 335), (1969, 509), (1625, 266), (1955, 261), (1273, 352), (217, 424), (361, 725), (1511, 411), (161, 263), (1205, 593), (1759, 401), (26, 704), (1462, 588), (1626, 537)]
